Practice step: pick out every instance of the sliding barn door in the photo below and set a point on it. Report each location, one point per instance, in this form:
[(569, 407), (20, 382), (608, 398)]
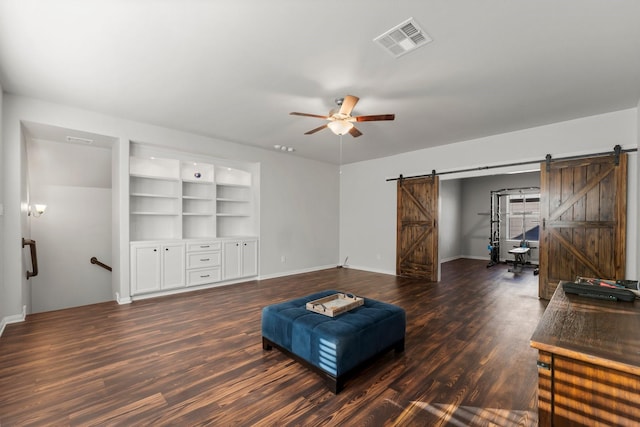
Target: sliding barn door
[(583, 218), (417, 236)]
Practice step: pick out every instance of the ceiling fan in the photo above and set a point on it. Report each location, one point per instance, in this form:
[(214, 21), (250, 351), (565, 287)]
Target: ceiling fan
[(341, 121)]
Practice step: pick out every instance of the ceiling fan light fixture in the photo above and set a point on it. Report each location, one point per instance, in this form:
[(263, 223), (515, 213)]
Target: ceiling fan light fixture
[(340, 127)]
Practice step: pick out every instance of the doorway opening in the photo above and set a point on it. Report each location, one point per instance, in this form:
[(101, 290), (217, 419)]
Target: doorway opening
[(70, 172), (466, 218)]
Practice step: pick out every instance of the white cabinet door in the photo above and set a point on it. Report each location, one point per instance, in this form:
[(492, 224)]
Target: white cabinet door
[(173, 262), (240, 258), (249, 258), (145, 268), (232, 255)]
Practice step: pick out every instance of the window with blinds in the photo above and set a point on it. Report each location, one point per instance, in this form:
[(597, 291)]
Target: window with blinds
[(523, 217)]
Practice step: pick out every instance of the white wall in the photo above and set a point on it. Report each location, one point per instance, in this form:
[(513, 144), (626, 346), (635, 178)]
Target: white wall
[(450, 220), (298, 211), (74, 181), (12, 297), (73, 229), (368, 201), (3, 293)]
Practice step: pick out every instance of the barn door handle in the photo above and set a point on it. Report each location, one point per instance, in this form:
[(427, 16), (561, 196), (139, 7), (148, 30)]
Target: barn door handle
[(34, 257)]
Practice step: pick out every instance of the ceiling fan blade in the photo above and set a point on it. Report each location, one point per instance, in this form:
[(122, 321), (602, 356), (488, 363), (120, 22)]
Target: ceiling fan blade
[(319, 128), (375, 117), (308, 115), (355, 132), (348, 103)]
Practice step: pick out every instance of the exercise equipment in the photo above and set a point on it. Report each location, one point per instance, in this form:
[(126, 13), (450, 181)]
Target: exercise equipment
[(520, 255), (496, 214)]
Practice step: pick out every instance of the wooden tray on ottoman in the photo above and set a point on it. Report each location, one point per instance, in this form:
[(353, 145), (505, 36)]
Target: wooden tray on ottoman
[(335, 304)]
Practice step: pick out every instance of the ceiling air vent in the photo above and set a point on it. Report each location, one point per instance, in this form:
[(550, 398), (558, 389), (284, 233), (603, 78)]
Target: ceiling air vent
[(403, 38), (79, 140)]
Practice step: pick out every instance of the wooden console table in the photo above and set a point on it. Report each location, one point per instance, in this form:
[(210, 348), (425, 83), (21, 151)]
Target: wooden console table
[(588, 362)]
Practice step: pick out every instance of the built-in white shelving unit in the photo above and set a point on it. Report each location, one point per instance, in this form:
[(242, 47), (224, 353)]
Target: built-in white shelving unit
[(155, 198), (198, 200), (233, 202), (206, 207)]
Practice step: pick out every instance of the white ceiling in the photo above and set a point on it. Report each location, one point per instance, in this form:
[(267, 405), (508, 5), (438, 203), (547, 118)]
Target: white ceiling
[(235, 69)]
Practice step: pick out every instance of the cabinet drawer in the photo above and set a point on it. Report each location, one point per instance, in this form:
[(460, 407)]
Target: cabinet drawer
[(200, 277), (204, 246), (203, 259)]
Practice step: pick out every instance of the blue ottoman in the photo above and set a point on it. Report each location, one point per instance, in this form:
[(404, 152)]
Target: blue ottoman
[(334, 347)]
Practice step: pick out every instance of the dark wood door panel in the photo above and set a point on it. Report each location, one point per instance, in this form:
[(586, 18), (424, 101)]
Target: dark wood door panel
[(417, 232), (583, 213)]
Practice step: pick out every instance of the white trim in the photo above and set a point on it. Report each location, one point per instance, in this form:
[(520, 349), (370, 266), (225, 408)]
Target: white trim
[(122, 301), (16, 318), (372, 270), (217, 284), (162, 293), (301, 271), (486, 258), (453, 258)]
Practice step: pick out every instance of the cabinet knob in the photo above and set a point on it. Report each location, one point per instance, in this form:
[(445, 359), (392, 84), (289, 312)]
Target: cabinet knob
[(166, 249), (155, 250)]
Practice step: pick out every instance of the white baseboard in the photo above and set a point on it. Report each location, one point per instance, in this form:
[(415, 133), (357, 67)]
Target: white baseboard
[(453, 258), (16, 318), (292, 272), (372, 270), (486, 258), (122, 301)]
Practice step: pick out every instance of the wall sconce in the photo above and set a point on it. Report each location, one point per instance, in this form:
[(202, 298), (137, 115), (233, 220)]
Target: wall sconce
[(36, 210)]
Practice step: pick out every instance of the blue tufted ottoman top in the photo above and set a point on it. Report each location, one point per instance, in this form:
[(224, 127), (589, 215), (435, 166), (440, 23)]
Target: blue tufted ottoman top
[(334, 344)]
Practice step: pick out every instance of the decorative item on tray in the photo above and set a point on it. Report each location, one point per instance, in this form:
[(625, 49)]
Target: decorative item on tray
[(335, 304)]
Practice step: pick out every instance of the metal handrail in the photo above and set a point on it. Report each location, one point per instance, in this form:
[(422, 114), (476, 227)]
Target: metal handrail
[(94, 260), (34, 257)]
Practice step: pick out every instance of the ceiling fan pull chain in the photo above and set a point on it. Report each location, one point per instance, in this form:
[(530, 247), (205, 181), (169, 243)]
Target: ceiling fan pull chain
[(340, 165)]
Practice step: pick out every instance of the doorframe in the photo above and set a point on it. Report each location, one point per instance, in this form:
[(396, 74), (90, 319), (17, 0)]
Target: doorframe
[(34, 130)]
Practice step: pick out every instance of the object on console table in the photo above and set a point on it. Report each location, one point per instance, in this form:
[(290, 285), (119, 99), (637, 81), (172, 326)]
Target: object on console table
[(589, 290)]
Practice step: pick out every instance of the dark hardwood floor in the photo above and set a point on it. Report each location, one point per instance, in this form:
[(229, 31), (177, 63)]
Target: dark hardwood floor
[(197, 358)]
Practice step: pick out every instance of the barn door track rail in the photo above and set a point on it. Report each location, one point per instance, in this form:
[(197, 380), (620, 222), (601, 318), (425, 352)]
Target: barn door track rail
[(617, 150)]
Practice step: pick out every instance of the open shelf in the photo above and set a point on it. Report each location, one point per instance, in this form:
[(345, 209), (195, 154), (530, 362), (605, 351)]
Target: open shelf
[(180, 199)]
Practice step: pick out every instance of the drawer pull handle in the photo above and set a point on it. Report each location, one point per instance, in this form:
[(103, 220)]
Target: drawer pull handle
[(204, 259), (204, 246), (206, 275), (543, 365)]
